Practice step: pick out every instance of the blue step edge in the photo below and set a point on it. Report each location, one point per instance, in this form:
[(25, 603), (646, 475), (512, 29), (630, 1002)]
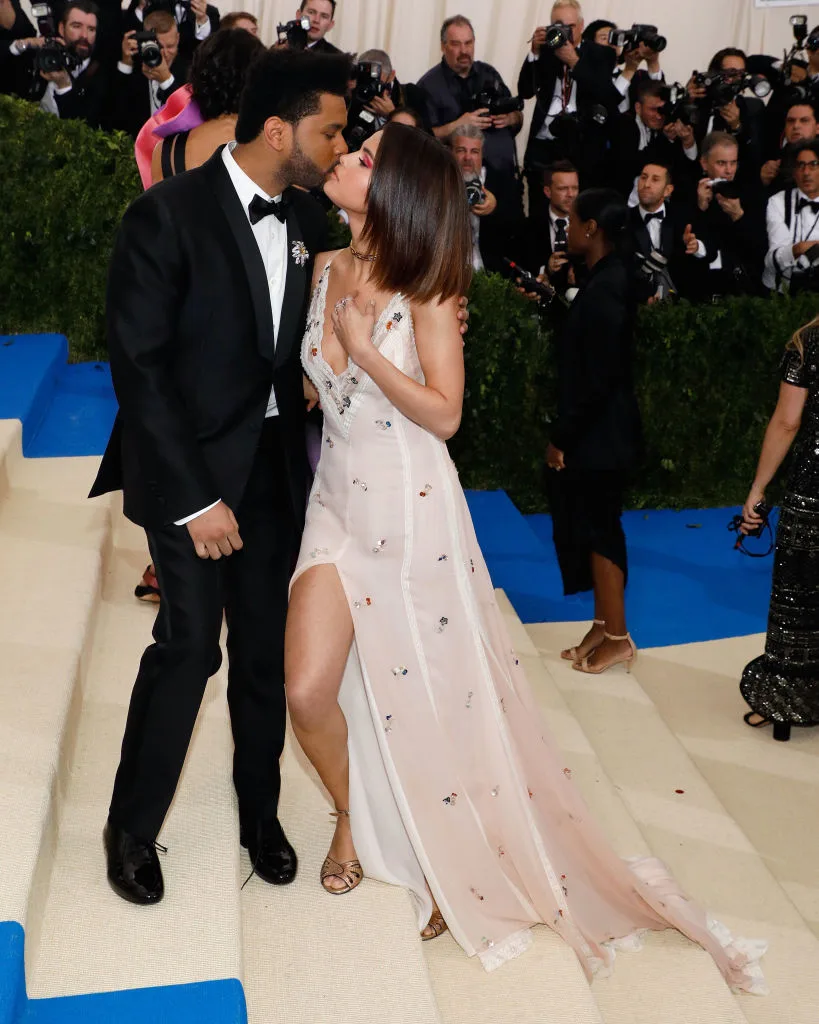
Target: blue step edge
[(207, 1002), (30, 365)]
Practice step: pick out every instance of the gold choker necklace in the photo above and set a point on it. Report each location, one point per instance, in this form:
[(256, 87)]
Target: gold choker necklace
[(365, 256)]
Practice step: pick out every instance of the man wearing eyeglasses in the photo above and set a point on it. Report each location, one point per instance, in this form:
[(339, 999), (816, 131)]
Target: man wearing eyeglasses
[(792, 261)]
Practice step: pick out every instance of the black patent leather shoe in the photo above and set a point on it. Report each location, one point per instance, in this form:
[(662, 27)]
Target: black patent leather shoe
[(273, 858), (133, 866)]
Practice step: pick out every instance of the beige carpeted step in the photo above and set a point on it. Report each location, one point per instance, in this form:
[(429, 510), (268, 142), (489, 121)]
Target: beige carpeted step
[(11, 452), (194, 934), (771, 789), (51, 545), (686, 825), (314, 958)]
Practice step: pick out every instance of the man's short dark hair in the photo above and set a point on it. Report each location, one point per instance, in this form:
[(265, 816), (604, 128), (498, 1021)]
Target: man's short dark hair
[(661, 164), (802, 103), (457, 19), (652, 90), (720, 55), (234, 17), (288, 84), (795, 148), (591, 30), (86, 6), (332, 3), (557, 167)]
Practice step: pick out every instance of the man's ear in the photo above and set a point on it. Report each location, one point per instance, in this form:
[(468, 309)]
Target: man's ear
[(278, 134), (668, 190)]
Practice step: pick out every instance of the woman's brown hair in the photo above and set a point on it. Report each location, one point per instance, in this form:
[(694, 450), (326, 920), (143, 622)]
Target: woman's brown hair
[(418, 218), (797, 342)]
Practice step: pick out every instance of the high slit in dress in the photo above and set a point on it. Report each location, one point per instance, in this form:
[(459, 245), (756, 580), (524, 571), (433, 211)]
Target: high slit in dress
[(454, 779)]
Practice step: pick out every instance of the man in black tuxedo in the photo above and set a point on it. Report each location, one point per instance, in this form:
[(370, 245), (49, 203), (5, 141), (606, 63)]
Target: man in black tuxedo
[(645, 135), (322, 15), (207, 296), (658, 225), (14, 25), (575, 94), (197, 20), (542, 248), (140, 91)]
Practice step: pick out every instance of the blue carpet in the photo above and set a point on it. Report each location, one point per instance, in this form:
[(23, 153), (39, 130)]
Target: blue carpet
[(79, 418), (29, 368)]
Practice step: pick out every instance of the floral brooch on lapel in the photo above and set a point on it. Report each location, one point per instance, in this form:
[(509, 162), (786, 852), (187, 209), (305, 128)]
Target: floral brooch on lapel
[(299, 252)]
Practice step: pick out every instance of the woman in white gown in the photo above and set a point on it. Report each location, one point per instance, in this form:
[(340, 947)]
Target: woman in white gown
[(403, 687)]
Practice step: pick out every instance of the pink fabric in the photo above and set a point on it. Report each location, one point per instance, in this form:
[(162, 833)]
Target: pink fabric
[(180, 114), (493, 819)]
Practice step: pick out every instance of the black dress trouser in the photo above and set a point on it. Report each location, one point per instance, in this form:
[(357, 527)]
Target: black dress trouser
[(250, 586)]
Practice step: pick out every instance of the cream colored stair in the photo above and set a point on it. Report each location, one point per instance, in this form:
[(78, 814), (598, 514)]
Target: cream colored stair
[(51, 554), (194, 934), (684, 822)]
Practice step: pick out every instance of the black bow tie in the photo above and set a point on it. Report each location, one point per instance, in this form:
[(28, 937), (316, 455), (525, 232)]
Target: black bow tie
[(260, 208), (659, 215), (813, 204), (560, 228)]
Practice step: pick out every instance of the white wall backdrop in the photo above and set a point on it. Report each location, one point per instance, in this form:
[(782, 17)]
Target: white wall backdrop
[(408, 29)]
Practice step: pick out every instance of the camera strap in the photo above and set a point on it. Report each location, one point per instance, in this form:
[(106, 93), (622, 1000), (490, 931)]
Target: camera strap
[(734, 527)]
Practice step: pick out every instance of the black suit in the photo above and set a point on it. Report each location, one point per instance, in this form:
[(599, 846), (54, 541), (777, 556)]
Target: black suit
[(680, 265), (750, 136), (595, 87), (627, 159), (324, 46), (741, 244), (193, 359), (131, 96)]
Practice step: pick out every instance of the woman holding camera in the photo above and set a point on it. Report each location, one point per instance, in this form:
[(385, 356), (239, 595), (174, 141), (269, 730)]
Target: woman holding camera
[(596, 440), (782, 685)]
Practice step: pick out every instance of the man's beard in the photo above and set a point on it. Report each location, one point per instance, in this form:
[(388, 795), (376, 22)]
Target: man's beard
[(301, 170)]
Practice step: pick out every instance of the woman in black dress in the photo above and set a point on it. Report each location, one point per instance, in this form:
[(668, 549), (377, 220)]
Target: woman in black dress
[(595, 441), (782, 685)]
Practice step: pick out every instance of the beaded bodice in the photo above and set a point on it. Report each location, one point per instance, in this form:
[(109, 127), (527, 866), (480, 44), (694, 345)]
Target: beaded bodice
[(804, 474)]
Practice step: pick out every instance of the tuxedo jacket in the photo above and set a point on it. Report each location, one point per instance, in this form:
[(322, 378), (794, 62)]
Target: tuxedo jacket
[(130, 96), (742, 246), (192, 347), (324, 46), (85, 100), (681, 267), (593, 74)]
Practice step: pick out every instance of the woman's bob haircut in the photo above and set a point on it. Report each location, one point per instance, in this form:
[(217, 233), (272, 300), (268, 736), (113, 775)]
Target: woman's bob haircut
[(418, 218)]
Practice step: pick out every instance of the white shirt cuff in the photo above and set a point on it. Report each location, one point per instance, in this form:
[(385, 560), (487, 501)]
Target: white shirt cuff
[(700, 253), (15, 49), (201, 512), (203, 30), (64, 90), (655, 76), (802, 262), (691, 151), (531, 57), (622, 84), (167, 83), (125, 69)]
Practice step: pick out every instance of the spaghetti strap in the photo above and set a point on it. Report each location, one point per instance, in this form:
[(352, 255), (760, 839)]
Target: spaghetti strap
[(179, 153), (167, 146)]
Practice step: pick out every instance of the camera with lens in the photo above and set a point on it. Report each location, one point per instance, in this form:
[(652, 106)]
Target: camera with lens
[(149, 52), (52, 55), (361, 122), (294, 33), (491, 100), (677, 106), (558, 35), (626, 39), (653, 275), (723, 87), (368, 84), (725, 188), (46, 22), (475, 193)]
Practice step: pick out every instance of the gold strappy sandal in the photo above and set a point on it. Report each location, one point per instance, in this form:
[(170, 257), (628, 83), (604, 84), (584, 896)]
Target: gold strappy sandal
[(625, 659), (572, 653), (349, 871), (437, 924)]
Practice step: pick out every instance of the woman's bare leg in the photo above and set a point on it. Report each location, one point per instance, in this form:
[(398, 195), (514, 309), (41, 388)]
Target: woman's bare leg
[(609, 603), (317, 642)]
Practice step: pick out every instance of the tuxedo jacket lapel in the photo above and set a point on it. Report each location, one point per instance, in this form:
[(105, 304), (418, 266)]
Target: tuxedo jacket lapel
[(641, 232), (248, 249), (291, 326), (667, 235)]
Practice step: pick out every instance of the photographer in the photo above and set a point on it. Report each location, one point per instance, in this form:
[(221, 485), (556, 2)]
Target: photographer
[(462, 91), (575, 95), (721, 108), (376, 96), (149, 72), (322, 14), (645, 136), (59, 70), (13, 25), (543, 245), (657, 225), (730, 220), (195, 19), (800, 126), (792, 261), (466, 143)]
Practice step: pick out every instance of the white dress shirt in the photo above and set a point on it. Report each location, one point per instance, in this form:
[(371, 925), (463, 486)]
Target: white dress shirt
[(271, 237), (780, 263), (49, 101)]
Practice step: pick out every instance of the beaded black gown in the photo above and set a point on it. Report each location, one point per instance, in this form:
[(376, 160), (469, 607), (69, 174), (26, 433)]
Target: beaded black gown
[(782, 685)]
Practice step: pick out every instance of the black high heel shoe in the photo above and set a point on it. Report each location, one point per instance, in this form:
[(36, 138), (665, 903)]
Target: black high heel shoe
[(781, 730)]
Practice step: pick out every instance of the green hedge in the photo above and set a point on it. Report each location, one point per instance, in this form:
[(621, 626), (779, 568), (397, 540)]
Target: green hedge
[(706, 375)]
